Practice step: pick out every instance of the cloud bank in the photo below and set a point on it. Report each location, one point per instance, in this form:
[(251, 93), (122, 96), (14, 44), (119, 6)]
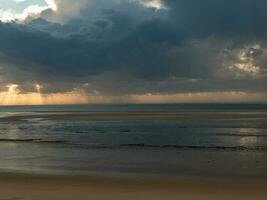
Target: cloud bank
[(121, 48)]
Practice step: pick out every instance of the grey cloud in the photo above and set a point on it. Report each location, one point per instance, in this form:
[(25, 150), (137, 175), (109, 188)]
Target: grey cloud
[(122, 47)]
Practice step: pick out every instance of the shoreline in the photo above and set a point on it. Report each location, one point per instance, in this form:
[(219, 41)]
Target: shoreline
[(141, 115), (32, 187)]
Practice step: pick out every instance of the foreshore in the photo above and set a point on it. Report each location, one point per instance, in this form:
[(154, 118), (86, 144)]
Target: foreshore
[(33, 187)]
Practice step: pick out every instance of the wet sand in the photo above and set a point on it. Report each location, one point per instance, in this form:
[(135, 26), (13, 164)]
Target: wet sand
[(20, 187)]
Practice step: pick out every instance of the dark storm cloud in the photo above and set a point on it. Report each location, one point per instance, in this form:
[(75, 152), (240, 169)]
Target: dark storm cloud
[(124, 47), (207, 17)]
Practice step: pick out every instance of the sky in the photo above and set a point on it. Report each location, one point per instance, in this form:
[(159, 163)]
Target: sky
[(132, 51)]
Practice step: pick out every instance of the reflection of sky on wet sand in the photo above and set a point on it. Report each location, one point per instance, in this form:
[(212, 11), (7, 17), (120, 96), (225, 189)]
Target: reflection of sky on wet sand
[(251, 162), (248, 139), (245, 137)]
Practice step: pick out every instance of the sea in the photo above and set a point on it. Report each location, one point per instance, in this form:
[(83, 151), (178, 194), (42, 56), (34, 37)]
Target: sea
[(231, 145)]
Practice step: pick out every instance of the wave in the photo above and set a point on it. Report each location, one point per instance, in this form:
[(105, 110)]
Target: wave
[(177, 147), (138, 145), (33, 141), (222, 126), (241, 135)]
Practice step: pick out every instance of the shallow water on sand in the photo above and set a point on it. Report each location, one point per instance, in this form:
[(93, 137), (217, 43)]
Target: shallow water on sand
[(234, 144)]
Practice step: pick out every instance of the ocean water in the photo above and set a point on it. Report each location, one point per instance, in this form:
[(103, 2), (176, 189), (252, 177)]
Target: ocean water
[(232, 145)]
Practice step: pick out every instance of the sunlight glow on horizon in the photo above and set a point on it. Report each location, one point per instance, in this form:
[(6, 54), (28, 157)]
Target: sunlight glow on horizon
[(13, 96)]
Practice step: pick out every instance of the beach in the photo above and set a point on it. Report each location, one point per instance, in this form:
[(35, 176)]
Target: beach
[(133, 100), (133, 152), (26, 187)]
